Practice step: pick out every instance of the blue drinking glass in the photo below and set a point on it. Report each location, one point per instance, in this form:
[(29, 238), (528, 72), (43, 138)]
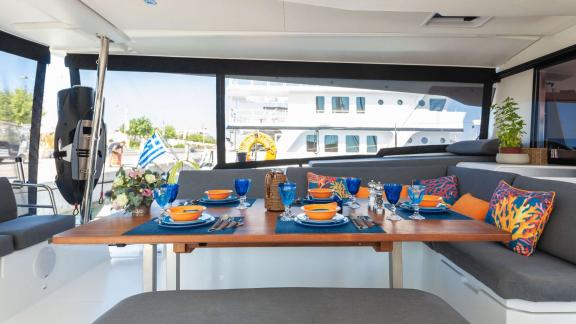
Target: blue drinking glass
[(353, 186), (242, 186), (173, 188), (416, 194), (393, 191), (162, 196), (287, 192)]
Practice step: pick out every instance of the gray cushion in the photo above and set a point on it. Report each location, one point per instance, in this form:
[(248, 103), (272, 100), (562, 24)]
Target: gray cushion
[(405, 160), (403, 175), (480, 183), (29, 230), (539, 277), (558, 237), (6, 245), (477, 147), (194, 183), (283, 305), (8, 209)]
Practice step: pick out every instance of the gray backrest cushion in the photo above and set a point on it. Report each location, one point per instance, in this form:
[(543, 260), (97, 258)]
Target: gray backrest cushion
[(403, 175), (558, 238), (194, 183), (477, 147), (8, 208), (480, 183)]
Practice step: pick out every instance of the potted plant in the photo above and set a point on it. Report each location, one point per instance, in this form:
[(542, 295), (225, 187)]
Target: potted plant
[(509, 130), (133, 190)]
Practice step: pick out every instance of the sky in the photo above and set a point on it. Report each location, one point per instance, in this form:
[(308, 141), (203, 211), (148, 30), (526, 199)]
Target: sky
[(16, 72)]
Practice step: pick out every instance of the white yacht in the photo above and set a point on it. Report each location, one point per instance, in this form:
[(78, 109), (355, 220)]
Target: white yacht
[(287, 161)]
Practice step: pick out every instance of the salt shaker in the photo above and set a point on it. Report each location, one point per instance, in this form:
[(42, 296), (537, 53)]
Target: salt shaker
[(379, 198), (372, 194)]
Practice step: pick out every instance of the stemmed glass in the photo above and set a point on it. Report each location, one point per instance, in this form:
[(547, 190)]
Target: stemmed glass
[(162, 196), (416, 194), (353, 186), (288, 195), (242, 185), (393, 191), (173, 189)]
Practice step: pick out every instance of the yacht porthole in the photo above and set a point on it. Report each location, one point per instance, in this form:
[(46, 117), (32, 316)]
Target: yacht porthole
[(424, 140), (400, 102), (442, 140), (380, 102), (421, 103)]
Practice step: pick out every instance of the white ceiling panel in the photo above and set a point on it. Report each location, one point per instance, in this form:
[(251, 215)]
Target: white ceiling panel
[(466, 51)]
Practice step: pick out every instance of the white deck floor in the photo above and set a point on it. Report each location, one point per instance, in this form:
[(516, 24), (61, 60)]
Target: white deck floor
[(84, 299)]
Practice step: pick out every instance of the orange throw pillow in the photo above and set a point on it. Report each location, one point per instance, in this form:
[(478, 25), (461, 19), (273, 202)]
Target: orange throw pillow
[(472, 207), (363, 193)]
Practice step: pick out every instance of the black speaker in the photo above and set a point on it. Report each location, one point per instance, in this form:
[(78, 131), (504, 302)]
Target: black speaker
[(72, 142)]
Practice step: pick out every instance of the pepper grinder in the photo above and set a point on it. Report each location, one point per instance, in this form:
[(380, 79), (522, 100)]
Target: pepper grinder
[(372, 194), (379, 194)]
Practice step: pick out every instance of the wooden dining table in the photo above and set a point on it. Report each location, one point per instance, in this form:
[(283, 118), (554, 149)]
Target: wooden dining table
[(259, 231)]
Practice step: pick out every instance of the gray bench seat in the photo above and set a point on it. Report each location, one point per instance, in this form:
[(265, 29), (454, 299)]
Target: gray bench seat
[(283, 305), (540, 277), (6, 245), (29, 230)]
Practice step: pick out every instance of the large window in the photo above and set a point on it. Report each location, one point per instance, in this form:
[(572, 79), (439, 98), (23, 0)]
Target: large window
[(371, 144), (352, 143), (331, 143), (555, 123), (17, 77), (340, 104), (252, 127)]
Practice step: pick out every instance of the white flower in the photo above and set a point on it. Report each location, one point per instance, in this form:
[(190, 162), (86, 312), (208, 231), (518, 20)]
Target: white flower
[(121, 200), (150, 178), (118, 182)]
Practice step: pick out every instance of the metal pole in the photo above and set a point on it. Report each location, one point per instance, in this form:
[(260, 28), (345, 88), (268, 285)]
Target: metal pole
[(86, 208)]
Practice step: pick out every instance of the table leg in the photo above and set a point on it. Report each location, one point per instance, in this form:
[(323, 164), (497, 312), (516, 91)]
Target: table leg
[(150, 267), (177, 271), (395, 264), (172, 269)]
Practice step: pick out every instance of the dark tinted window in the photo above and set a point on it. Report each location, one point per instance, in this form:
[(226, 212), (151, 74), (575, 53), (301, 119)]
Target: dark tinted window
[(371, 144), (331, 143), (352, 143)]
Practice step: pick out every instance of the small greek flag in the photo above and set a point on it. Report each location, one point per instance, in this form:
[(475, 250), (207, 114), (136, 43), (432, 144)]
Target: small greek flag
[(153, 148)]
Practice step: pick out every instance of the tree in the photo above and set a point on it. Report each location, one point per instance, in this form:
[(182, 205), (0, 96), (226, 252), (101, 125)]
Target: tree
[(169, 132), (140, 127), (16, 106), (201, 138)]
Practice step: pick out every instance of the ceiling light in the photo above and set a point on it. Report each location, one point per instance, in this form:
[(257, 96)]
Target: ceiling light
[(150, 2)]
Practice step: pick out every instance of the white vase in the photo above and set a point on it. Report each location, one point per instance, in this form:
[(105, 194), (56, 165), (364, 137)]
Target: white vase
[(513, 158)]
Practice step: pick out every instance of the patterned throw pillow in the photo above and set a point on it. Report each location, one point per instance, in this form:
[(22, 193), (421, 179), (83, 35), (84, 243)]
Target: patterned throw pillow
[(445, 187), (521, 213), (338, 184)]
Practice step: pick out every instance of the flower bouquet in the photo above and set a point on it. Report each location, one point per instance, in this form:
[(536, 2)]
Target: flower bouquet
[(133, 190)]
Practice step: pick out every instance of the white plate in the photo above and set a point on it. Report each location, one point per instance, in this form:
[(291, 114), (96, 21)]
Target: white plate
[(338, 220), (203, 220)]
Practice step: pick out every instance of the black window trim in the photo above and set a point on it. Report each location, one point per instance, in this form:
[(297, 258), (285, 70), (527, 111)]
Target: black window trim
[(223, 68)]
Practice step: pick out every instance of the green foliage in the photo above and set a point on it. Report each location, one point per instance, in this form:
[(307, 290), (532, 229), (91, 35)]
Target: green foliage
[(169, 132), (179, 145), (134, 144), (509, 124), (140, 127), (199, 138), (16, 106), (134, 188)]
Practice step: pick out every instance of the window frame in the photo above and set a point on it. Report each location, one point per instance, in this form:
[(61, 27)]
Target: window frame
[(315, 136), (360, 105), (344, 101), (320, 104), (368, 145), (337, 143), (346, 138), (234, 67)]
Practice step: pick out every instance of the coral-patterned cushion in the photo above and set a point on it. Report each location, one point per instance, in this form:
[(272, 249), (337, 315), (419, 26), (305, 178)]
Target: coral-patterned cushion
[(445, 187), (338, 184), (521, 213)]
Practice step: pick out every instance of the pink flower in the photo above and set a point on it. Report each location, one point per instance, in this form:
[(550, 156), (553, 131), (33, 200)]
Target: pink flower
[(135, 173), (147, 192)]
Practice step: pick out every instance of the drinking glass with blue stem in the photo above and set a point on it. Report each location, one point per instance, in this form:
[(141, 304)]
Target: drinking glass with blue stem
[(173, 189), (287, 192), (162, 196), (393, 191), (416, 194), (242, 186), (353, 186)]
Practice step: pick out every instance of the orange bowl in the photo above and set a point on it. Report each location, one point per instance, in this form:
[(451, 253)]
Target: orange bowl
[(185, 213), (218, 194), (430, 201), (321, 193), (321, 211)]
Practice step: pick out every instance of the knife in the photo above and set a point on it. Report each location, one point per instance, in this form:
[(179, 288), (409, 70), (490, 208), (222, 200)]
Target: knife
[(357, 223), (218, 223)]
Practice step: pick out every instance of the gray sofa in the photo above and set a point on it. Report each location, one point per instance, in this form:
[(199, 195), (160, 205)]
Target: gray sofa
[(547, 275), (18, 233)]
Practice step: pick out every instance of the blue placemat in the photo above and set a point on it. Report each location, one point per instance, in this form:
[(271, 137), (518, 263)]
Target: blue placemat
[(152, 228), (249, 201), (289, 227), (448, 215)]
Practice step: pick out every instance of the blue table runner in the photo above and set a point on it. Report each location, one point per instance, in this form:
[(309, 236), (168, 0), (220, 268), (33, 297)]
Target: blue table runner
[(290, 227), (151, 228), (447, 215)]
